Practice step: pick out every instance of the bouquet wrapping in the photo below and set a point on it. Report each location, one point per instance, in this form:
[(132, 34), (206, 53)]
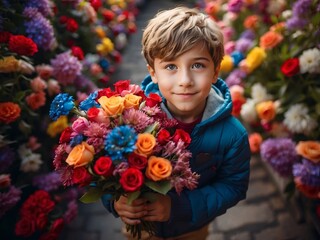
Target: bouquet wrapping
[(120, 142)]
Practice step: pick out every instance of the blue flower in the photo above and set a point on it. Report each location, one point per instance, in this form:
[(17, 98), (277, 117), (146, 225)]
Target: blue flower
[(121, 140), (76, 140), (61, 105), (89, 102)]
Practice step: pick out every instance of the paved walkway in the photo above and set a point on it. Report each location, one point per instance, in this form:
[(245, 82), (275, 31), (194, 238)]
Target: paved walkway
[(264, 215)]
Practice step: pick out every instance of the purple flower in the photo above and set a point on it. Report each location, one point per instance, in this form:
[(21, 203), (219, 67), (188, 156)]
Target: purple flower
[(248, 34), (308, 172), (66, 68), (280, 154), (39, 29), (235, 6), (9, 199), (296, 23), (243, 45), (235, 77), (43, 6), (48, 182), (301, 8), (71, 212), (7, 157)]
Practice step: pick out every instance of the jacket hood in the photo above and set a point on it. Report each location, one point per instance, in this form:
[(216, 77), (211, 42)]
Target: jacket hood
[(219, 102)]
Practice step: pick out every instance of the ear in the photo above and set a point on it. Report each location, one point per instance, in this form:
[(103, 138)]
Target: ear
[(216, 74), (152, 73)]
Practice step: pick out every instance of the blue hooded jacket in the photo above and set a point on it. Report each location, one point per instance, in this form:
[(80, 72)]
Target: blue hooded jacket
[(220, 154)]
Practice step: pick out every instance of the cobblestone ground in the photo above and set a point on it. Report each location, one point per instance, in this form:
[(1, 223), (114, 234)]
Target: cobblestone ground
[(264, 215)]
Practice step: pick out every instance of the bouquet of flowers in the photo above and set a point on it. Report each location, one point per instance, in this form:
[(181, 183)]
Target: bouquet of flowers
[(121, 143)]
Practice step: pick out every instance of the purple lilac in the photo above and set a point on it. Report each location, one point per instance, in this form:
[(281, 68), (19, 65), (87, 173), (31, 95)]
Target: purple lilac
[(280, 154), (308, 172), (66, 68), (7, 157), (248, 34), (301, 8), (235, 77), (39, 29), (9, 199), (296, 23), (48, 182), (43, 6), (243, 45)]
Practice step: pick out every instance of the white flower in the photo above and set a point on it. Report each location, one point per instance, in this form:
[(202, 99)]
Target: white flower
[(310, 61), (287, 14), (259, 93), (30, 161), (276, 6), (248, 111), (298, 121)]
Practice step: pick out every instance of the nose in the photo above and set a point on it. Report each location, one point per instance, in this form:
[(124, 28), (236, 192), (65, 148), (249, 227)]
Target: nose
[(185, 78)]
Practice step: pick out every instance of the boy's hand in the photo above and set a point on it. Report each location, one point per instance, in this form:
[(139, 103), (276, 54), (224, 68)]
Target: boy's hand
[(159, 210), (131, 214)]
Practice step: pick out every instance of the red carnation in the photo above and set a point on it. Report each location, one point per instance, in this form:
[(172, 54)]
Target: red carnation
[(22, 45), (77, 52), (290, 67)]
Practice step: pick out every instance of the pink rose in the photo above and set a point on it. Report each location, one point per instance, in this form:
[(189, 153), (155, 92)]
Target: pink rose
[(80, 125)]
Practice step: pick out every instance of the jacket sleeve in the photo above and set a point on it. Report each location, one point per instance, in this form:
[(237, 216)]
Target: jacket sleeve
[(108, 203), (203, 204)]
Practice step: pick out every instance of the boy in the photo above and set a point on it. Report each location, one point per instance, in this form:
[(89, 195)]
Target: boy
[(183, 49)]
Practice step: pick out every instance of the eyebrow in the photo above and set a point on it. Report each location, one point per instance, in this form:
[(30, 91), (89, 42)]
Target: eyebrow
[(194, 59)]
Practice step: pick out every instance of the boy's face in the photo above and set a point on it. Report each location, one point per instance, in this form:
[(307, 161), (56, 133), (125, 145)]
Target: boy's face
[(185, 82)]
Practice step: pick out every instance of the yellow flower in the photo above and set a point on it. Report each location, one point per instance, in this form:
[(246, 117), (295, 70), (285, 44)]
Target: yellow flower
[(100, 32), (105, 47), (113, 105), (80, 155), (255, 58), (121, 3), (58, 126), (132, 101), (9, 64), (226, 64)]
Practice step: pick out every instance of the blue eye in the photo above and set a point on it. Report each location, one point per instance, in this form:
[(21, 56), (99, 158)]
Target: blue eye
[(171, 67), (198, 65)]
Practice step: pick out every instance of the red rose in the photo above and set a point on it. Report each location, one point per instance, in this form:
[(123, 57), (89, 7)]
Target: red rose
[(106, 92), (121, 85), (131, 179), (290, 67), (137, 161), (65, 136), (163, 136), (182, 135), (22, 45), (108, 15), (96, 4), (41, 221), (77, 52), (24, 227), (72, 25), (153, 99), (81, 176), (57, 226), (103, 166)]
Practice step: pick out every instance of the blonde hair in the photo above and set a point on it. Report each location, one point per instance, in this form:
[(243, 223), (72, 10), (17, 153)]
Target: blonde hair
[(173, 32)]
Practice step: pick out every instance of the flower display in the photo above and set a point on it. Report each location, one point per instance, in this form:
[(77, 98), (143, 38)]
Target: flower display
[(45, 50), (272, 54), (121, 143)]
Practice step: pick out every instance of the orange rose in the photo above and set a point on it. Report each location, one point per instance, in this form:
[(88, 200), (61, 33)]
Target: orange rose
[(113, 105), (266, 110), (9, 112), (309, 150), (158, 168), (255, 141), (270, 39), (145, 143), (80, 155), (132, 101), (251, 22)]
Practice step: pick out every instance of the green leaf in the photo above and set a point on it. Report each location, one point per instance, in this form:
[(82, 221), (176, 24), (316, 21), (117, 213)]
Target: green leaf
[(161, 187), (93, 195), (133, 196)]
